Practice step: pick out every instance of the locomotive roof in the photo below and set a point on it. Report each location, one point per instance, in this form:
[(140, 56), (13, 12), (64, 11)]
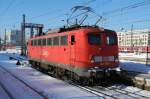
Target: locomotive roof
[(65, 29)]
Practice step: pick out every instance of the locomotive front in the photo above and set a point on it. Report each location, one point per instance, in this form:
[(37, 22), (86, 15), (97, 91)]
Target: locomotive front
[(99, 53)]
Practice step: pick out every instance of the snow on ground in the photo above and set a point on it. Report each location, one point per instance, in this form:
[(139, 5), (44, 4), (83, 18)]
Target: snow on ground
[(134, 65), (57, 89), (134, 55), (15, 50), (137, 91), (53, 88), (19, 89), (3, 94), (132, 89)]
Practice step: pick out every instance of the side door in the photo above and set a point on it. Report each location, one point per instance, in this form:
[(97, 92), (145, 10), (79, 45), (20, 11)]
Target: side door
[(72, 50)]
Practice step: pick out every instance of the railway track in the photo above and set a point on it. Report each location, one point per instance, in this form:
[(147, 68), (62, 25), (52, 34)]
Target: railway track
[(124, 92), (7, 91), (99, 94), (105, 96), (120, 90), (112, 92), (41, 94)]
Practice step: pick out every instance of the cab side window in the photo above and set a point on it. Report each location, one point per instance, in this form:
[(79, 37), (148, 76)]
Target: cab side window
[(72, 40), (111, 40), (64, 40), (56, 41)]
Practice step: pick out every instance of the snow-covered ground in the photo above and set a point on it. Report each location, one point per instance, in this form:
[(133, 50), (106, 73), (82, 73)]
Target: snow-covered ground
[(133, 55), (16, 50), (134, 65), (49, 86), (3, 95)]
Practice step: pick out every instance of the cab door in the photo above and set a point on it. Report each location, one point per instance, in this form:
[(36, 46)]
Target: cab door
[(72, 50)]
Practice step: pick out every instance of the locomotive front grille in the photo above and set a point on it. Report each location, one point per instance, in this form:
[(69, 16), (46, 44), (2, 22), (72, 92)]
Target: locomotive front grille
[(103, 59), (108, 58)]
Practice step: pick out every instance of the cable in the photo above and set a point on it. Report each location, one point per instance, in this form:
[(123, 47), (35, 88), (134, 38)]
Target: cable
[(89, 2), (44, 14), (133, 6), (7, 8), (119, 25), (113, 11)]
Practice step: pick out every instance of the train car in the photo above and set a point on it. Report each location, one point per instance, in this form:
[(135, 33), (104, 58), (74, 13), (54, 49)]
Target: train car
[(131, 49), (77, 53)]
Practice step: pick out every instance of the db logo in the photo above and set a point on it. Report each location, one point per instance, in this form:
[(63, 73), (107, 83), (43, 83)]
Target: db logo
[(45, 53)]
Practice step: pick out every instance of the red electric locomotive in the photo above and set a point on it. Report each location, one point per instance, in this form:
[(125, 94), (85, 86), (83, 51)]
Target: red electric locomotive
[(77, 53)]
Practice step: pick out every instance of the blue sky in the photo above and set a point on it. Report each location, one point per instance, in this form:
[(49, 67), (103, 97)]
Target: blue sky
[(51, 12)]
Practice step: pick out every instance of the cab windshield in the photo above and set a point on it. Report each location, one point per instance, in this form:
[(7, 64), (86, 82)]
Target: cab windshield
[(111, 40), (94, 39)]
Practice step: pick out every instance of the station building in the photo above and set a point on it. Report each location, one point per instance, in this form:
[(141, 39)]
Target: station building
[(134, 41), (16, 37)]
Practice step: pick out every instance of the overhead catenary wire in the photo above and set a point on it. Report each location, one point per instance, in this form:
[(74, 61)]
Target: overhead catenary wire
[(7, 8), (129, 7), (136, 21), (88, 2), (42, 14), (107, 13), (129, 23)]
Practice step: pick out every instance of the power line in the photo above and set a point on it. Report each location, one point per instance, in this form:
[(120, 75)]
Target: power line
[(129, 7), (43, 14), (88, 2), (133, 6), (130, 22), (7, 8), (137, 21)]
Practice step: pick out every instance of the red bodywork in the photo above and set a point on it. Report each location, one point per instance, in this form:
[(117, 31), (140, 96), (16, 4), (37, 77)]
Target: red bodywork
[(78, 55)]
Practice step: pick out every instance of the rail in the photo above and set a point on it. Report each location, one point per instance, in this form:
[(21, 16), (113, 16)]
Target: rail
[(7, 91), (26, 84)]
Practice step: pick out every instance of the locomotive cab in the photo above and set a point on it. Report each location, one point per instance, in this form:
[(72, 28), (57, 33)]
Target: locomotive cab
[(97, 51)]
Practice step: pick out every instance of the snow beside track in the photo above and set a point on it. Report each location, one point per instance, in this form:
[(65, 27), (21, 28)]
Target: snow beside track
[(134, 55), (3, 94), (51, 87), (57, 89), (134, 65)]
